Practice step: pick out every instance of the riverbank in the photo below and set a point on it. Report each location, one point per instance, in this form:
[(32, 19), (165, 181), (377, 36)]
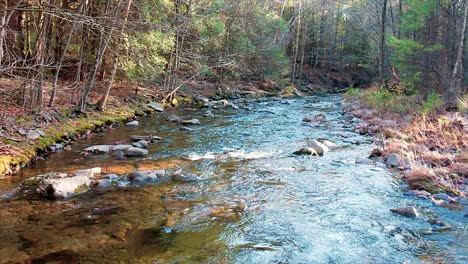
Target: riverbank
[(430, 148), (26, 136)]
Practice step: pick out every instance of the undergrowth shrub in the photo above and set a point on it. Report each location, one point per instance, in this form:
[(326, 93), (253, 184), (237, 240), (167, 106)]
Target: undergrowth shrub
[(352, 91), (432, 104)]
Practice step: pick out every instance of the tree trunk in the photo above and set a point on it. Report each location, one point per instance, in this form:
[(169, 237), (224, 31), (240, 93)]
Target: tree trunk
[(456, 80), (382, 43), (115, 60)]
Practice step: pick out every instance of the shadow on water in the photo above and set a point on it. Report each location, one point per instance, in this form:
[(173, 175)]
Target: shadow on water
[(253, 201)]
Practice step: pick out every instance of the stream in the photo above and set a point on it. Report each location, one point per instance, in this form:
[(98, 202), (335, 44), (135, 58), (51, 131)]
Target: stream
[(253, 201)]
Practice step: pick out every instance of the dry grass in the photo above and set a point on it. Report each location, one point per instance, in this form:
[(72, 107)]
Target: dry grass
[(436, 144)]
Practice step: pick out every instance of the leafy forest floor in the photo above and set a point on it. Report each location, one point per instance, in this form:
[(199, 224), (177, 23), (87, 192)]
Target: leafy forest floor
[(429, 145)]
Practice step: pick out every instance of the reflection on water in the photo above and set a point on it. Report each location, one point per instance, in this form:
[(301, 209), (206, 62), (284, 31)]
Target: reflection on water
[(254, 202)]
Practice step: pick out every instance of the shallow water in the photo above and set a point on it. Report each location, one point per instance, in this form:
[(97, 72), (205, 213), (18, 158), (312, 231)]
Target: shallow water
[(254, 201)]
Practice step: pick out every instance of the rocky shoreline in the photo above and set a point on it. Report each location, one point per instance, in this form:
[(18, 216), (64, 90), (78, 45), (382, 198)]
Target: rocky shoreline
[(393, 130)]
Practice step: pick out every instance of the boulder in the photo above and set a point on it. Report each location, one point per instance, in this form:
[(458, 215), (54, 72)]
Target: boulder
[(132, 123), (191, 122), (408, 211), (97, 149), (393, 160), (319, 148), (147, 176), (156, 106), (136, 152), (62, 188)]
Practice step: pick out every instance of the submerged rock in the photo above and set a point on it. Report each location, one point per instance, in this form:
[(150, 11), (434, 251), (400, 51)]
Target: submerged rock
[(173, 118), (147, 176), (62, 188), (184, 177), (149, 138), (364, 161), (208, 114), (90, 173), (191, 122), (408, 211)]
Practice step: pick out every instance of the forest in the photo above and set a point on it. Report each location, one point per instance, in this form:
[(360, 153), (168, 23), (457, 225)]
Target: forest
[(233, 131), (79, 47)]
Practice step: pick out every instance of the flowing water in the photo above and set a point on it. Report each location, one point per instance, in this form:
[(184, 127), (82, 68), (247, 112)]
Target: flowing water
[(254, 201)]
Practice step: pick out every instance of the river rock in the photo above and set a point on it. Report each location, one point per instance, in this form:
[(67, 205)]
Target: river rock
[(132, 123), (445, 197), (147, 176), (56, 147), (393, 160), (418, 193), (149, 138), (156, 106), (305, 151), (435, 221), (136, 152), (62, 188), (330, 144), (319, 148), (364, 161), (97, 149), (408, 211), (143, 143), (33, 134), (137, 145), (104, 183), (90, 173), (191, 122), (306, 119), (184, 128)]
